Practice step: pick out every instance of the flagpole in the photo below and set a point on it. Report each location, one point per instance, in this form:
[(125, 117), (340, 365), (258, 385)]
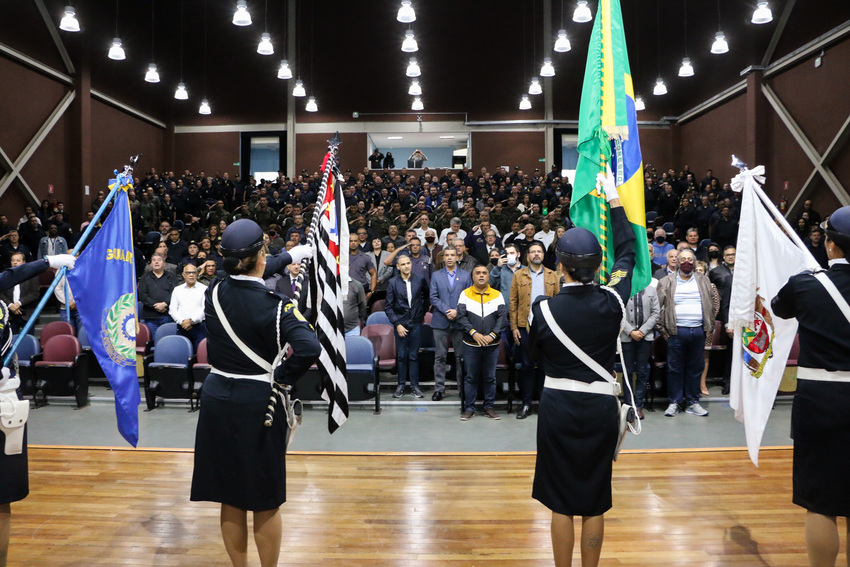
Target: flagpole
[(312, 240), (128, 169)]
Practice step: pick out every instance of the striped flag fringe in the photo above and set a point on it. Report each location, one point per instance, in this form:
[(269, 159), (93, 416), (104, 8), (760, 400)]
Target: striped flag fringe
[(328, 284)]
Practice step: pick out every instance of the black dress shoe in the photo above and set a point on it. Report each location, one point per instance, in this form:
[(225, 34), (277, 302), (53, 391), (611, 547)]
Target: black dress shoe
[(437, 396), (724, 390), (523, 412)]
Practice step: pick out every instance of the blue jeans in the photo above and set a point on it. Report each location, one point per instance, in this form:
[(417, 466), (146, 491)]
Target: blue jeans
[(156, 323), (480, 364), (531, 377), (75, 319), (407, 349), (685, 362), (636, 356), (355, 332), (196, 334)]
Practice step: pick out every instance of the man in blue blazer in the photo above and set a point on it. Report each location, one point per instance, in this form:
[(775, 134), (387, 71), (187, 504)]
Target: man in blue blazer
[(447, 285)]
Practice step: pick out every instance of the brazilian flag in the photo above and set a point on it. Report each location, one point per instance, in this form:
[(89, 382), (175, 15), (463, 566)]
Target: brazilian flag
[(608, 143)]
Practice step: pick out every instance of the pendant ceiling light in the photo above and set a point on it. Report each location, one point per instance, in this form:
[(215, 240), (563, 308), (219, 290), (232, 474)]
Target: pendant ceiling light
[(241, 17), (762, 15), (413, 68), (660, 87), (265, 46), (284, 72), (406, 14), (719, 46), (298, 89), (582, 13), (535, 88), (415, 88), (547, 70), (639, 104), (69, 21), (205, 107), (562, 44), (181, 93), (525, 103), (686, 70), (417, 104), (152, 76), (409, 44), (311, 105), (116, 52)]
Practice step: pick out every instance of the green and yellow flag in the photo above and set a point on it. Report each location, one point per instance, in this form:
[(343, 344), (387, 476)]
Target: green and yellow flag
[(608, 141)]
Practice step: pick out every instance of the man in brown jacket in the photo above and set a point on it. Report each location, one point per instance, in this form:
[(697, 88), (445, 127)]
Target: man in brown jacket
[(687, 301), (527, 285)]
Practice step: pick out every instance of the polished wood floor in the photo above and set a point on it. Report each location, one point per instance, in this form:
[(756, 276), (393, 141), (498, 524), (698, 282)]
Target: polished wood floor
[(131, 508)]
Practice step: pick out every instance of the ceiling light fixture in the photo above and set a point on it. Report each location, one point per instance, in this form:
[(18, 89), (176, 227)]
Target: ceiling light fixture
[(406, 14), (582, 13), (562, 44), (415, 88), (181, 93), (311, 105), (241, 17), (547, 70), (660, 87), (686, 70), (417, 104), (298, 89), (395, 137), (284, 72), (719, 46), (69, 21), (525, 103), (116, 52), (413, 68), (205, 107), (762, 15), (639, 104), (152, 76), (409, 44), (535, 88), (447, 137), (265, 46)]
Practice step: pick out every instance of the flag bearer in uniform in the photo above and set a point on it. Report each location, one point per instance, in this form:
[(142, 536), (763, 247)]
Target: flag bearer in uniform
[(820, 419), (577, 430)]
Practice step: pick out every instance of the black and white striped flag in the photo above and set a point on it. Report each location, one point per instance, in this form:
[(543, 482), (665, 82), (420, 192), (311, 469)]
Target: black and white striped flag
[(329, 282)]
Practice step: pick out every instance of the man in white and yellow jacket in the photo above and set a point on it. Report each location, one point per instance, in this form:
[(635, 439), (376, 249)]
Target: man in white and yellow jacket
[(483, 315)]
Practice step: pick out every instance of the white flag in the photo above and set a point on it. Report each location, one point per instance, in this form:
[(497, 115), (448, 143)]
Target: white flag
[(768, 253)]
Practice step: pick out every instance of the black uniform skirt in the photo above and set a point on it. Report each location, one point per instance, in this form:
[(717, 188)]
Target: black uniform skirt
[(820, 422), (14, 476), (238, 460), (576, 437)]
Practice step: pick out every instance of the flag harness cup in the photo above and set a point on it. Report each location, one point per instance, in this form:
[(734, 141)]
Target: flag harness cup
[(13, 412)]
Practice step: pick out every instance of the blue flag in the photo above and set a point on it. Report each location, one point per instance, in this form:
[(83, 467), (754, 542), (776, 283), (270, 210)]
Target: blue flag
[(103, 283)]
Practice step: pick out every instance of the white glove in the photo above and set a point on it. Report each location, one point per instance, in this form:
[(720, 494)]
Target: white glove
[(608, 187), (298, 253), (61, 261), (4, 376)]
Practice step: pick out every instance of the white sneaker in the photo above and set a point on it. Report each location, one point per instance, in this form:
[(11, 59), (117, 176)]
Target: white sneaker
[(672, 410), (696, 409)]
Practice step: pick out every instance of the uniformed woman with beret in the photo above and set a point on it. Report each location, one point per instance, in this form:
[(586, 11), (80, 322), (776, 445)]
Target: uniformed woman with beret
[(820, 418), (240, 462), (577, 427)]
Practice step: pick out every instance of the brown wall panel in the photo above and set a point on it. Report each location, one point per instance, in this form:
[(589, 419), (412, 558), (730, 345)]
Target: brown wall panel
[(492, 149), (50, 165), (655, 147), (310, 150), (26, 100), (708, 142), (209, 151)]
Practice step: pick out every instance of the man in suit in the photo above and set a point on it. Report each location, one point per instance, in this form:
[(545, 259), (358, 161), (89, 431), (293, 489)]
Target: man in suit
[(21, 298), (482, 250), (286, 286), (447, 284)]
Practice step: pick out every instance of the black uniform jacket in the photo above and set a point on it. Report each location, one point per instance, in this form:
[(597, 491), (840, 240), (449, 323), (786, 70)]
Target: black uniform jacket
[(589, 315)]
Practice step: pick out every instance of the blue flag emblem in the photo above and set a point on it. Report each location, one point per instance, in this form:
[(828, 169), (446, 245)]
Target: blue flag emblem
[(103, 283)]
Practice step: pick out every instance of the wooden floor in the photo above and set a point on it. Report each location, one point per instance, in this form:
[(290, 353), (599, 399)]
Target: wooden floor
[(111, 507)]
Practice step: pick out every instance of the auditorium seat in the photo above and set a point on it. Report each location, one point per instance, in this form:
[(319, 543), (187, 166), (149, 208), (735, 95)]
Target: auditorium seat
[(162, 331), (669, 228), (200, 367), (28, 348), (379, 317), (95, 370), (378, 306), (168, 373), (61, 370), (361, 366), (55, 328), (383, 339)]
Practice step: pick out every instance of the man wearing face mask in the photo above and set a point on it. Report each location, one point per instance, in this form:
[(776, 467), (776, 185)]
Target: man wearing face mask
[(431, 248), (660, 247), (687, 305)]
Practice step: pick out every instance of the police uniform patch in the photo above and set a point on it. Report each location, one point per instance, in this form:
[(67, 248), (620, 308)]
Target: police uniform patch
[(616, 277), (298, 314)]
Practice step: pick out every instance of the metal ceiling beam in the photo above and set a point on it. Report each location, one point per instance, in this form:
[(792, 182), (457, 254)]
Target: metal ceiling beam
[(14, 168), (808, 148), (54, 33), (777, 33), (103, 97), (16, 55), (835, 34)]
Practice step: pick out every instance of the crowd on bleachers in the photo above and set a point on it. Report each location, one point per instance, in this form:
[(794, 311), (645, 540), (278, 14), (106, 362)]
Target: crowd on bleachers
[(491, 218)]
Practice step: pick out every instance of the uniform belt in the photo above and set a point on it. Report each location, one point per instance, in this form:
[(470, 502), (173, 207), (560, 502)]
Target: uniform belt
[(570, 385), (821, 375), (256, 377)]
